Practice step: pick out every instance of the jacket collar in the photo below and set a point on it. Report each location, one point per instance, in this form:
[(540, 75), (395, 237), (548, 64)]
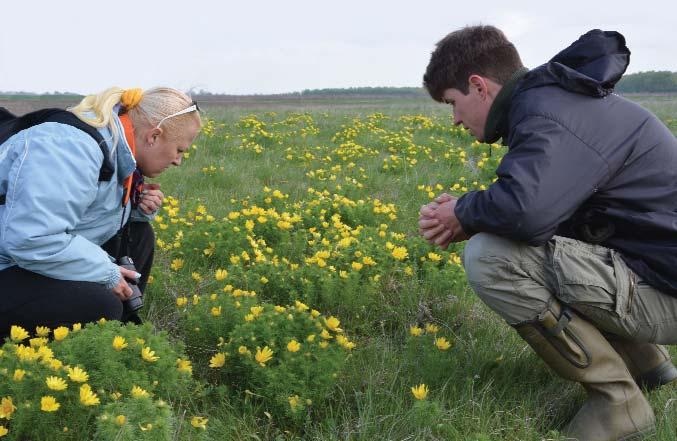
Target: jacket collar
[(125, 159), (497, 120)]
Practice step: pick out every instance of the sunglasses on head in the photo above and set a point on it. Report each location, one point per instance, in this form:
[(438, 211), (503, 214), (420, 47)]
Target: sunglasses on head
[(192, 108)]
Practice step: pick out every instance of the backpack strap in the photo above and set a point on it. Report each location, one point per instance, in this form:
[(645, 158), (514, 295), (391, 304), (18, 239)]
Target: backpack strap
[(10, 125)]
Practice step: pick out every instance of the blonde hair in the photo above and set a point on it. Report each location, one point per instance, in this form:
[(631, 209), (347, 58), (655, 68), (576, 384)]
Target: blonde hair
[(155, 104)]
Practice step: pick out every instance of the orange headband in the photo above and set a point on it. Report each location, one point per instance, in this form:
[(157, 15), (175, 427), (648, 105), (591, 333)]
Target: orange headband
[(131, 98)]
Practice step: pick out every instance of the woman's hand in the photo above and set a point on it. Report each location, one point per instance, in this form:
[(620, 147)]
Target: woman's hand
[(151, 198), (122, 289)]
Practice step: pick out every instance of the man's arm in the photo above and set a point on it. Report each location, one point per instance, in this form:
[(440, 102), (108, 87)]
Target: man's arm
[(547, 174)]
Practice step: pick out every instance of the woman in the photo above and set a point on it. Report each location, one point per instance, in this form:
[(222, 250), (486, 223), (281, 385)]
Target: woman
[(58, 215)]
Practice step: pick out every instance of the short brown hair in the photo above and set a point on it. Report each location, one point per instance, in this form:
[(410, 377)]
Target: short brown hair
[(473, 50)]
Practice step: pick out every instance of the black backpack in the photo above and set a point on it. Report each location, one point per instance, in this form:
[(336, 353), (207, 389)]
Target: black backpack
[(11, 124)]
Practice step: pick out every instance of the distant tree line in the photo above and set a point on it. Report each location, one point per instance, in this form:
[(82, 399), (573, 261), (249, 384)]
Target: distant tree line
[(641, 82), (648, 82), (372, 91)]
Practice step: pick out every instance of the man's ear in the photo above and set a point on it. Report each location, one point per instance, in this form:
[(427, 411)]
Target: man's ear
[(478, 84)]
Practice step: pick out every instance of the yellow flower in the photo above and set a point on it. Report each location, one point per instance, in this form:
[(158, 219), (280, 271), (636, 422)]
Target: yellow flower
[(87, 397), (56, 383), (116, 395), (300, 307), (333, 323), (3, 431), (7, 408), (137, 392), (263, 355), (78, 375), (19, 374), (442, 343), (415, 331), (199, 422), (45, 353), (344, 342), (184, 366), (42, 331), (420, 392), (120, 420), (181, 301), (149, 355), (26, 353), (216, 311), (37, 341), (60, 333), (356, 266), (293, 346), (325, 335), (434, 257), (49, 404), (217, 360), (17, 333), (176, 264), (431, 329), (243, 350), (77, 327), (294, 402), (324, 344), (149, 426), (400, 253), (119, 343), (221, 274)]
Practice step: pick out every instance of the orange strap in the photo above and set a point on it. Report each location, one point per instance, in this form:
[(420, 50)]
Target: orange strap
[(129, 136)]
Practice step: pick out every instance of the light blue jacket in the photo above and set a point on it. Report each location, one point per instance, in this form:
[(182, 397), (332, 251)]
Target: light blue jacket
[(57, 213)]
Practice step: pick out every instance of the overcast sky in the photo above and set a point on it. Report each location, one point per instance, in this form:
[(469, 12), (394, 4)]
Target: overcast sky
[(282, 46)]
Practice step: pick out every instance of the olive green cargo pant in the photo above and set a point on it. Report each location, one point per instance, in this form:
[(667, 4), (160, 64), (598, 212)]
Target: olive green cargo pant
[(518, 281)]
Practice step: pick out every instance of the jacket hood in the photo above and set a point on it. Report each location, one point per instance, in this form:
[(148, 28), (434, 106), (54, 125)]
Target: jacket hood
[(592, 65)]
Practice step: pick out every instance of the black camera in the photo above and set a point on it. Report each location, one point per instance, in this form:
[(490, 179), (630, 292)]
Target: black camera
[(135, 302)]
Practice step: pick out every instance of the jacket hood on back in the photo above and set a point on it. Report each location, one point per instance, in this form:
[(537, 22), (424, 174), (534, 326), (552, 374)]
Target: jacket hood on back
[(592, 65)]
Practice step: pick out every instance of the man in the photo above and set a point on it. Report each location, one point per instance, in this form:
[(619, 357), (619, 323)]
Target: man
[(575, 243)]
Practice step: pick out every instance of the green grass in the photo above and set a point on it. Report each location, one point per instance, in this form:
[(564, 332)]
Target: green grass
[(491, 387), (488, 386)]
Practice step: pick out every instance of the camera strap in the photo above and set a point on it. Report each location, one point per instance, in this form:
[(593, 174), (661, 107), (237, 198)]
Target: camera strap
[(122, 237)]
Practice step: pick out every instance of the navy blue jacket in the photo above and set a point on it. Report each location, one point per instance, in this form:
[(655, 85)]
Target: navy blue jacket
[(584, 163)]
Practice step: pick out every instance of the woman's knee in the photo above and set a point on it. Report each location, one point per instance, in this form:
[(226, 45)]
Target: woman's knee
[(89, 302), (111, 308)]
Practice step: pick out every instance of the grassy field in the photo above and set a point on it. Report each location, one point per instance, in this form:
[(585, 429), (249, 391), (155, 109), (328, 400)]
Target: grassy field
[(314, 204)]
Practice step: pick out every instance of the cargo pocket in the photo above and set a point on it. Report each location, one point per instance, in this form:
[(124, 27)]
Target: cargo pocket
[(593, 280)]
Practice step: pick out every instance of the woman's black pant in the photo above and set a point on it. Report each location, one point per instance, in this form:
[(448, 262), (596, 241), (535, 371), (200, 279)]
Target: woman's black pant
[(29, 299)]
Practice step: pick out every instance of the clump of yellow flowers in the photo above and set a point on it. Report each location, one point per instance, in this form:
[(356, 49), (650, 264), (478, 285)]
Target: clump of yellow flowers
[(84, 370)]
